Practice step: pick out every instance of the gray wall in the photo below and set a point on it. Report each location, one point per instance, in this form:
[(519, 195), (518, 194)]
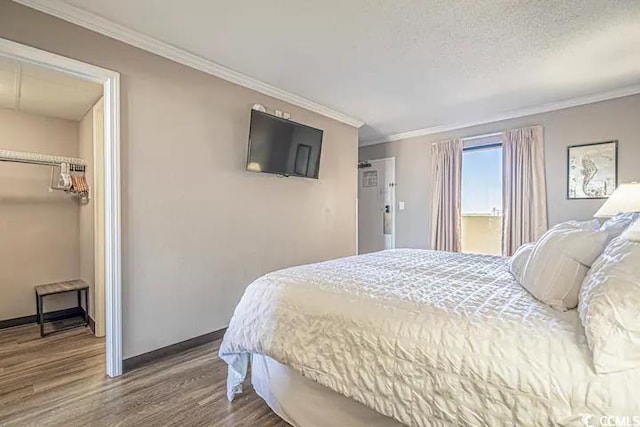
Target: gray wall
[(603, 121), (39, 232), (87, 252), (197, 228)]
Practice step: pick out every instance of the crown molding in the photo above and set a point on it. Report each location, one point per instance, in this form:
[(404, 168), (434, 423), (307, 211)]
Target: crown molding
[(545, 108), (93, 22)]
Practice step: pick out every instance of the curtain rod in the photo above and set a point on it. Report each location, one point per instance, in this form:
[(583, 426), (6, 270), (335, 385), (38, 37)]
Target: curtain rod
[(486, 135)]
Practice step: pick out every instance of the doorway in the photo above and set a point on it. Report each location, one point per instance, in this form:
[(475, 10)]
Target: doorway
[(107, 195), (376, 205)]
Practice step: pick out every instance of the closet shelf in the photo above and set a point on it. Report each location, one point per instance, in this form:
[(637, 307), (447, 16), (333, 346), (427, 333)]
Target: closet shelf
[(38, 159), (71, 179)]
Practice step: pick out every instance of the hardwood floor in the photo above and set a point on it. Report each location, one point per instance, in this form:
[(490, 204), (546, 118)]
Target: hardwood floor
[(59, 380)]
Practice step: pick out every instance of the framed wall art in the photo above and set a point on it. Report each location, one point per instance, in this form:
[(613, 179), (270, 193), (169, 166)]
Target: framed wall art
[(592, 170)]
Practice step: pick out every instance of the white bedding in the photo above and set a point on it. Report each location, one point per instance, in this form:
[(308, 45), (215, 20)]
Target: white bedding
[(428, 338)]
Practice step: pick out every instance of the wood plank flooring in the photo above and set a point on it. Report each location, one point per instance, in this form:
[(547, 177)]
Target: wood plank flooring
[(59, 380)]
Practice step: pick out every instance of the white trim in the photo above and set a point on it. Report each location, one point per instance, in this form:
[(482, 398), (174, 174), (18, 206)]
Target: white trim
[(108, 28), (379, 159), (113, 253), (392, 162), (112, 225), (357, 218), (574, 102)]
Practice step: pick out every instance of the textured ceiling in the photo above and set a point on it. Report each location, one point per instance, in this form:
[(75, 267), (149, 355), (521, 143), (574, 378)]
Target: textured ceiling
[(406, 64), (33, 89)]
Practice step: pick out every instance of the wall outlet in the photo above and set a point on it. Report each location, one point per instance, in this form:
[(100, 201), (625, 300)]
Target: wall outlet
[(401, 206)]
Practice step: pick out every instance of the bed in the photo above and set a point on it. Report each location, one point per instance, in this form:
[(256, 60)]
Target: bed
[(418, 338)]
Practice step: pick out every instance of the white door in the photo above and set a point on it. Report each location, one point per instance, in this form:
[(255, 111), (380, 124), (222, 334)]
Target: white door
[(376, 205)]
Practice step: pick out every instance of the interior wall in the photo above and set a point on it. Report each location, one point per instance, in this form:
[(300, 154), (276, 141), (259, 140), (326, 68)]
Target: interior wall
[(39, 233), (86, 210), (197, 228), (616, 119), (98, 218)]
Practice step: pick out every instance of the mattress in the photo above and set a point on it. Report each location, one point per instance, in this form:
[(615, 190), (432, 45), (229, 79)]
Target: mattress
[(426, 338)]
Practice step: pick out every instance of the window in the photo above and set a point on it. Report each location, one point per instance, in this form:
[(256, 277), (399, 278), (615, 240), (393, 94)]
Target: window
[(482, 199)]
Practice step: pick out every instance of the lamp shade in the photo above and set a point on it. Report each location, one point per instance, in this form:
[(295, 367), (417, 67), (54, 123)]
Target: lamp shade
[(626, 198)]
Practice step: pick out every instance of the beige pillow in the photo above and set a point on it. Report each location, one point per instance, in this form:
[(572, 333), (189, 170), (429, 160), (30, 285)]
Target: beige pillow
[(610, 305), (559, 263)]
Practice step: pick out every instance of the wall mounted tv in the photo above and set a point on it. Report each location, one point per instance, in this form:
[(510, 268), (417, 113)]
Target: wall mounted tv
[(283, 147)]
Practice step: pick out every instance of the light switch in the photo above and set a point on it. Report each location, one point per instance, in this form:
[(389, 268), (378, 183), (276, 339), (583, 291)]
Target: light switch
[(401, 206)]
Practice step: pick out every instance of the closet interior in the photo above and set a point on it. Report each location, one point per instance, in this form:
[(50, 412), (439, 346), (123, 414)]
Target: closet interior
[(51, 128)]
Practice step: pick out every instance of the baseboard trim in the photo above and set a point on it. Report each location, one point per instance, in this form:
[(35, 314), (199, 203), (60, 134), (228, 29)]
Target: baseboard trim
[(51, 316), (146, 358), (92, 325)]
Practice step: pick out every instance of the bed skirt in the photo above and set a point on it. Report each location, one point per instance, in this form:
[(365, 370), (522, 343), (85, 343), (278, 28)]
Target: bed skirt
[(305, 403)]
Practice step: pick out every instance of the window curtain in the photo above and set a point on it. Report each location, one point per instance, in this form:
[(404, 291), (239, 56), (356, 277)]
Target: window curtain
[(446, 206), (524, 189)]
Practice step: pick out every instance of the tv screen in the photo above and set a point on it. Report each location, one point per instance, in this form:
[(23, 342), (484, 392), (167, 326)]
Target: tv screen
[(283, 147)]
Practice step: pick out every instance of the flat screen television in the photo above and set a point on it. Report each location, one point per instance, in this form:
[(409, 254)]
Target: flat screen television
[(283, 147)]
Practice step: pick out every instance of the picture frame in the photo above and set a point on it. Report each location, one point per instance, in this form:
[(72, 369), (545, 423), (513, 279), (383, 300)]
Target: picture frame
[(592, 170)]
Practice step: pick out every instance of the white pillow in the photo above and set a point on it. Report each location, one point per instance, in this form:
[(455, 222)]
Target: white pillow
[(519, 260), (615, 226), (610, 305), (592, 224), (559, 263), (632, 233)]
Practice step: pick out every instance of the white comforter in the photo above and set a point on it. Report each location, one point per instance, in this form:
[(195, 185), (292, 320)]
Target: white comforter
[(428, 338)]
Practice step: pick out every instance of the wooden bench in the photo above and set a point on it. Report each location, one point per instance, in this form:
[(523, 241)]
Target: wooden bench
[(59, 288)]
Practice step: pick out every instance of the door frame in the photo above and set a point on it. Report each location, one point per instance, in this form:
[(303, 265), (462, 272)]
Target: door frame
[(110, 80), (393, 200)]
